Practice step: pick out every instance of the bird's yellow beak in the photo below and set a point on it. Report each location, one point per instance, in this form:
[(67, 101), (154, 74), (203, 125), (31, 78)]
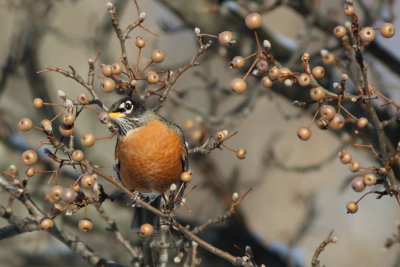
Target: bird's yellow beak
[(115, 114)]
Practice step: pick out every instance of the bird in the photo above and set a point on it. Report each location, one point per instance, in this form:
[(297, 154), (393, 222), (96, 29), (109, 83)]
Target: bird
[(150, 155)]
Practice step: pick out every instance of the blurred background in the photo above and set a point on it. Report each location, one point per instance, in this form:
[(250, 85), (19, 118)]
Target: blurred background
[(300, 188)]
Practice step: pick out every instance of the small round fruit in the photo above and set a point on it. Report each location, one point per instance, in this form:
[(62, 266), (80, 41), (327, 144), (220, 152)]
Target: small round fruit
[(348, 10), (46, 224), (241, 153), (139, 42), (77, 155), (87, 181), (238, 85), (370, 179), (186, 177), (30, 172), (304, 133), (68, 195), (107, 70), (317, 93), (387, 30), (29, 157), (152, 77), (318, 72), (273, 72), (85, 225), (66, 130), (83, 99), (157, 56), (55, 192), (107, 85), (367, 34), (25, 124), (337, 122), (253, 21), (69, 119), (322, 123), (352, 207), (237, 62), (354, 166), (284, 73), (88, 140), (304, 79), (189, 124), (226, 38), (76, 187), (266, 82), (345, 157), (362, 122), (357, 184), (116, 68), (37, 103), (46, 124), (328, 59), (339, 31), (328, 112), (146, 229)]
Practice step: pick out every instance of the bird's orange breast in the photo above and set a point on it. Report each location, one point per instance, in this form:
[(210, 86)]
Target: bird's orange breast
[(150, 157)]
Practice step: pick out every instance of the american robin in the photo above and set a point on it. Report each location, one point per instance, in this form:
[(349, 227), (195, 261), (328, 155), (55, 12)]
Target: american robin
[(150, 155)]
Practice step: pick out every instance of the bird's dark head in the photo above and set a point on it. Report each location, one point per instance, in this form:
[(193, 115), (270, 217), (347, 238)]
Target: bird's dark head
[(126, 114)]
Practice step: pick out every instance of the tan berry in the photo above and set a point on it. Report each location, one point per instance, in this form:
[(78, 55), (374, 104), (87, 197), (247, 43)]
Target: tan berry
[(226, 38), (339, 31), (253, 21), (157, 56), (354, 166), (68, 195), (337, 122), (348, 10), (85, 225), (273, 72), (304, 133), (352, 207), (357, 184), (116, 68), (328, 59), (345, 157), (186, 177), (139, 42), (317, 93), (220, 135), (76, 187), (370, 179), (107, 85), (83, 99), (68, 119), (322, 123), (77, 155), (266, 82), (328, 112), (88, 140), (152, 77), (106, 70), (30, 172), (241, 153), (367, 34), (304, 79), (46, 124), (25, 124), (87, 181), (29, 157), (37, 103), (66, 130), (46, 224), (387, 30), (237, 62), (238, 85), (55, 192), (362, 122), (318, 72), (284, 73), (197, 135), (146, 229), (189, 124)]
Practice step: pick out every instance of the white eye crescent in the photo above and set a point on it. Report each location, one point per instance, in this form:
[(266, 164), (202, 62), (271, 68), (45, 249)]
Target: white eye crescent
[(128, 107)]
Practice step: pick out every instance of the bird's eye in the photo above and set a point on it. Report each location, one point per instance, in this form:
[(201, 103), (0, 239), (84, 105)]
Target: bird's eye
[(128, 106)]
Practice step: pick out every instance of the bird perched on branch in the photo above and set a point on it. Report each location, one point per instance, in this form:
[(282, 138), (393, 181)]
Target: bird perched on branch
[(150, 154)]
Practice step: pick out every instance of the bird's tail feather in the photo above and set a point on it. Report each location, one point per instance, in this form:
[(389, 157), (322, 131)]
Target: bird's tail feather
[(142, 215)]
